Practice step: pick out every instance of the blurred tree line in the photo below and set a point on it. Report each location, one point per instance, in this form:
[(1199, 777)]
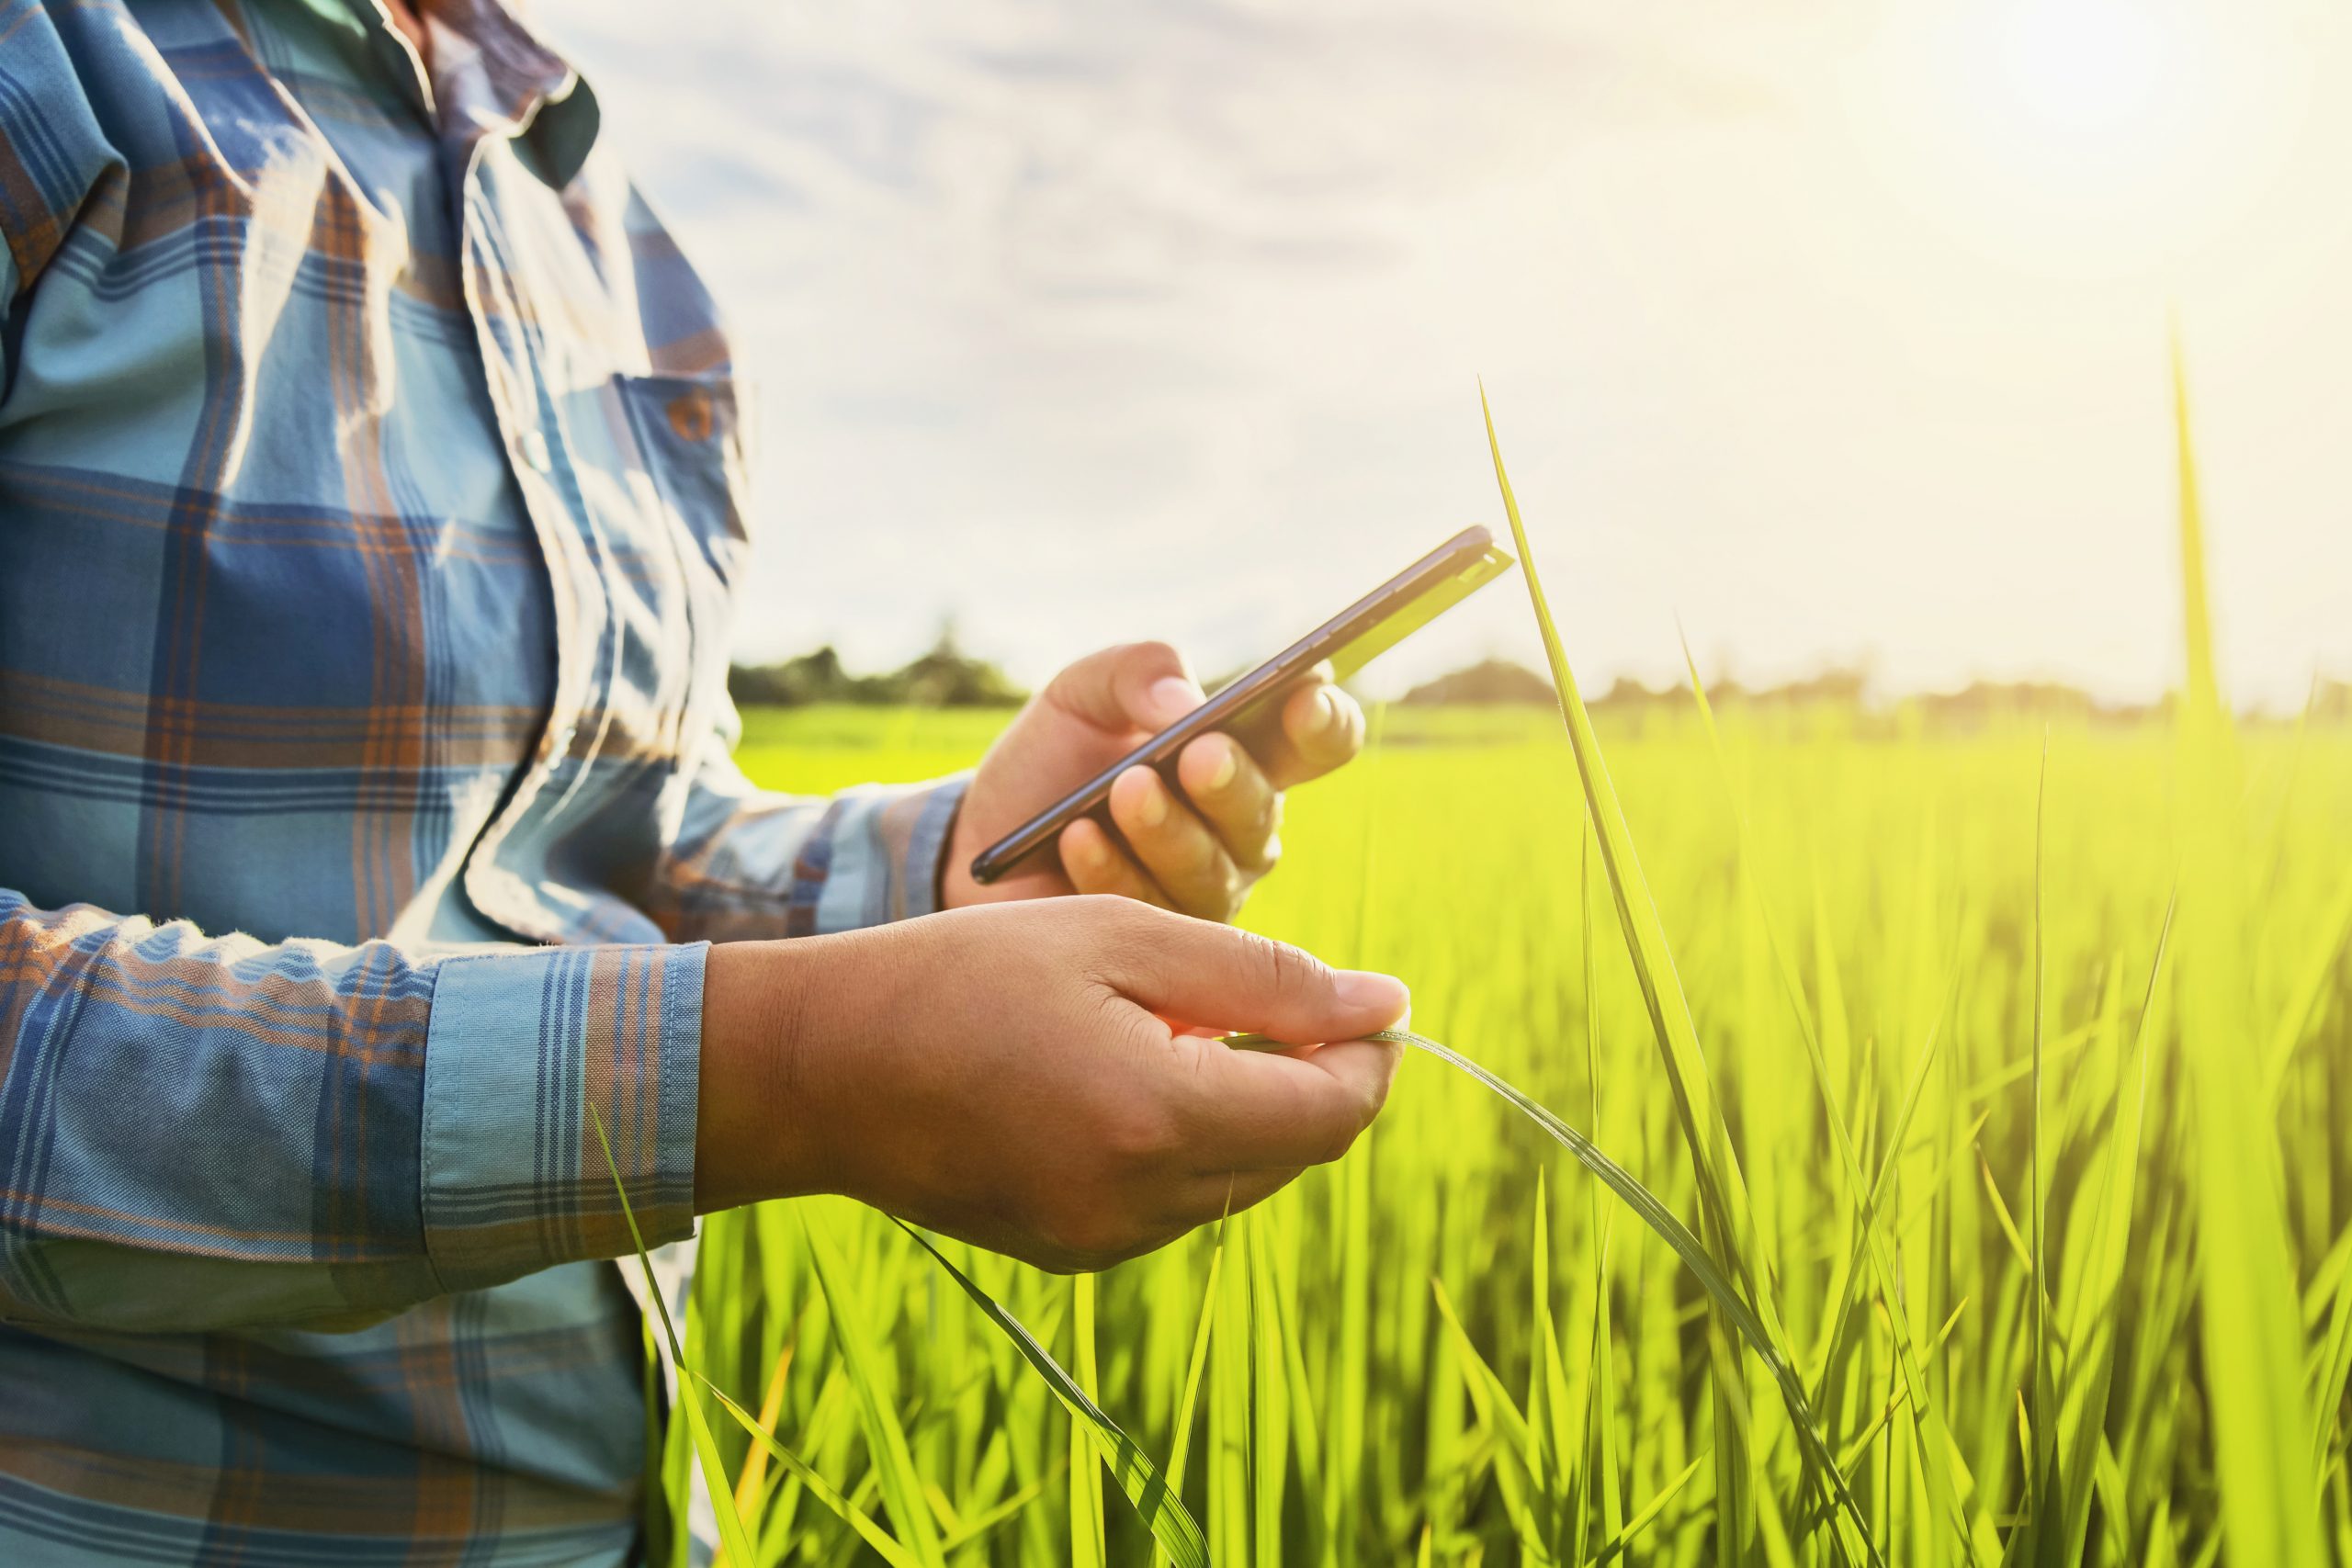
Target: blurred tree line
[(946, 677), (949, 677), (1845, 688)]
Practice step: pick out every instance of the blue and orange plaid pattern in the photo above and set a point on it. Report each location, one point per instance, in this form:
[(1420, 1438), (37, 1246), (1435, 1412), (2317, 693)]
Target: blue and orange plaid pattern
[(371, 471)]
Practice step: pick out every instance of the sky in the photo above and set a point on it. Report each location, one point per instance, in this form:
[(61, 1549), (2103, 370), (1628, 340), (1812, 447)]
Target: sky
[(1821, 330)]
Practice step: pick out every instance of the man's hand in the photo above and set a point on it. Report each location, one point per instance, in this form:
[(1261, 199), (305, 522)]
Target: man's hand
[(1197, 850), (1006, 1075)]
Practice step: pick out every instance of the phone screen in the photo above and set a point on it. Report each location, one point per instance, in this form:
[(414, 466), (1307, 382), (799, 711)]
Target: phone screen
[(1350, 640)]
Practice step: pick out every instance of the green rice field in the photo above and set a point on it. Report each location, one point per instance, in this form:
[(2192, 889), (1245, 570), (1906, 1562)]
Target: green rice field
[(1978, 1099), (1456, 1343)]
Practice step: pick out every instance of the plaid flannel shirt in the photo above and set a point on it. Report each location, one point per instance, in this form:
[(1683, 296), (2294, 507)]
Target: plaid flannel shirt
[(370, 471)]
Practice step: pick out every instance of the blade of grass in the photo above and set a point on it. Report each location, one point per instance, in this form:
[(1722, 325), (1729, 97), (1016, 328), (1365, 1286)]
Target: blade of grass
[(2044, 1396), (1601, 1401), (885, 1435), (2083, 1418), (2326, 954), (1514, 1438), (1925, 1414), (1160, 1509), (1651, 1213), (1087, 1548), (766, 1442), (732, 1535), (1722, 1194), (1558, 1446), (1188, 1403), (2252, 1337), (751, 1486), (1268, 1393), (1624, 1537)]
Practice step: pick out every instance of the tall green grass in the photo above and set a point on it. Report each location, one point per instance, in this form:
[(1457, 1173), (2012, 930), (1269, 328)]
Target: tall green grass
[(1844, 1155)]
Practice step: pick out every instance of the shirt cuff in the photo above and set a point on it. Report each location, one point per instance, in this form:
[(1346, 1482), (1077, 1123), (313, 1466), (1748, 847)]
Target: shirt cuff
[(874, 858), (527, 1051)]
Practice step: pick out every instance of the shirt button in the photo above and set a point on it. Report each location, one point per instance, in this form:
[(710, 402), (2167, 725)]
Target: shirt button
[(691, 416), (564, 737), (535, 453)]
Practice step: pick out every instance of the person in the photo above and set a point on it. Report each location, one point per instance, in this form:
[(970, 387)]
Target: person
[(371, 518)]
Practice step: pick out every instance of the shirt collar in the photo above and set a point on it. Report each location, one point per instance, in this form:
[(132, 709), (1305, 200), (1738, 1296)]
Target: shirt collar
[(492, 76)]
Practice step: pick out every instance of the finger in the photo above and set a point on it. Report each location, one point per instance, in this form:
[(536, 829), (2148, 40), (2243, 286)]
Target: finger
[(1174, 845), (1095, 864), (1322, 728), (1254, 1111), (1136, 685), (1234, 797), (1237, 980)]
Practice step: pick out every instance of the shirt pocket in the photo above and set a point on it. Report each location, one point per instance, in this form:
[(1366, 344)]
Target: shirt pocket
[(691, 437), (694, 438)]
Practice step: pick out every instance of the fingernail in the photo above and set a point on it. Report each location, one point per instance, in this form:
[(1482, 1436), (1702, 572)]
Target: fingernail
[(1086, 850), (1172, 697), (1371, 990), (1327, 710), (1153, 807), (1228, 767)]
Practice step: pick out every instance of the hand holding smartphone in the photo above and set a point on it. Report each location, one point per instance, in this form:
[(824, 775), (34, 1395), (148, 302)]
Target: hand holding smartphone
[(1350, 640)]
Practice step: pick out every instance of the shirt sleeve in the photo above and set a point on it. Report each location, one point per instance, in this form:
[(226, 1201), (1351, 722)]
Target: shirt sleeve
[(748, 863), (203, 1133)]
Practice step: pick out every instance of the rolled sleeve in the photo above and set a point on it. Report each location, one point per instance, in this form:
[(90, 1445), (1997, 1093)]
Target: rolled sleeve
[(875, 857), (745, 864), (527, 1051)]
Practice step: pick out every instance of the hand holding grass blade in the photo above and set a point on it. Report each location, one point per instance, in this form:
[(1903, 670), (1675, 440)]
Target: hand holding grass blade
[(1007, 1075)]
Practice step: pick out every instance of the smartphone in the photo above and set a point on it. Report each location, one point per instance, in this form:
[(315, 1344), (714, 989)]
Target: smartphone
[(1248, 707)]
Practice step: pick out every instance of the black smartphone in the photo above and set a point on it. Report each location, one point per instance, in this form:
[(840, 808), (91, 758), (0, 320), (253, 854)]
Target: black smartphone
[(1245, 707)]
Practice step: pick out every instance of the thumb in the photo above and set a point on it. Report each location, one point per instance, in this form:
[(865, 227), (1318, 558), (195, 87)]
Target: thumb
[(1216, 977), (1136, 685)]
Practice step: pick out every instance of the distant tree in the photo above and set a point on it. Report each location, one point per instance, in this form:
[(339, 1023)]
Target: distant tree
[(944, 677), (1626, 695), (1982, 703), (815, 677), (1488, 681)]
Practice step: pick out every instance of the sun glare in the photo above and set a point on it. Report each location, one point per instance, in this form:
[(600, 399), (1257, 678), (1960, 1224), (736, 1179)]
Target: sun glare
[(2099, 136), (2092, 68)]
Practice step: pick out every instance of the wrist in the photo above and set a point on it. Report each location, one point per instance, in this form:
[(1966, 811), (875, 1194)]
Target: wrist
[(756, 1126)]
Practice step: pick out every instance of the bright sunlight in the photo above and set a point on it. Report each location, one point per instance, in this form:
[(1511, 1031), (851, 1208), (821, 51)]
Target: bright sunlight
[(2089, 137), (2096, 71)]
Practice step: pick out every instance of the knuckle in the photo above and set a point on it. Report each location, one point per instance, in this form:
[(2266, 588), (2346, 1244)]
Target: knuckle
[(1129, 930), (1152, 650), (1211, 865), (1290, 973), (1148, 658), (1142, 1138), (1109, 918)]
